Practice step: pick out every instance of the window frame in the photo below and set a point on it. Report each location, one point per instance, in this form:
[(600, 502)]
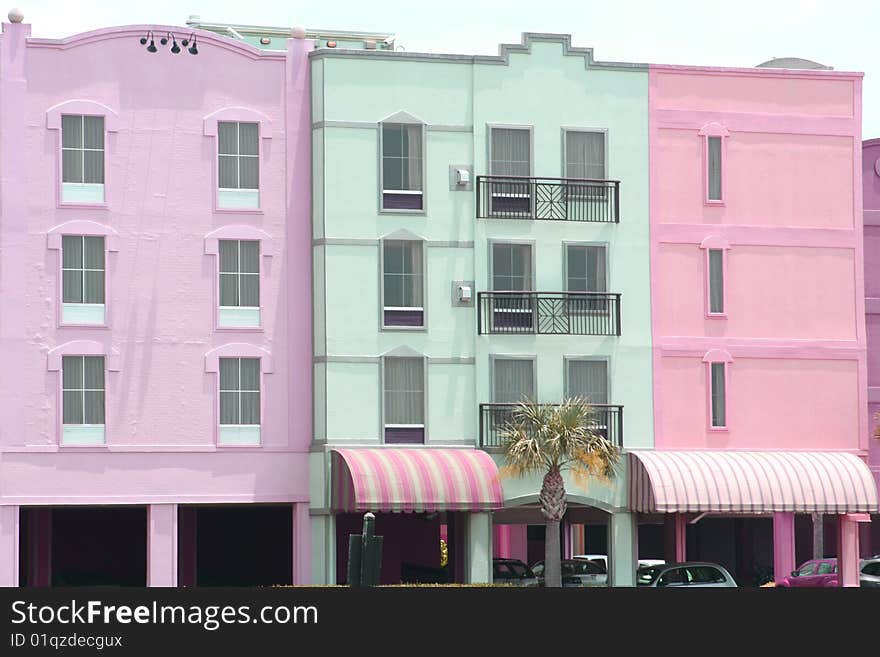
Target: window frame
[(382, 406), (710, 244), (84, 425), (712, 131), (259, 274), (493, 358), (511, 242), (212, 366), (401, 119), (566, 363), (62, 303), (424, 274), (576, 129), (238, 156), (220, 425), (711, 407)]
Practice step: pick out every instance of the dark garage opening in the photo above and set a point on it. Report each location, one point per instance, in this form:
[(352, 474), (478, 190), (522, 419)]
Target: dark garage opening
[(243, 546)]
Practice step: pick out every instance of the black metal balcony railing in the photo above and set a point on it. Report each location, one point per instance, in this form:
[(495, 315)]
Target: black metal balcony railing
[(571, 313), (559, 199), (494, 417)]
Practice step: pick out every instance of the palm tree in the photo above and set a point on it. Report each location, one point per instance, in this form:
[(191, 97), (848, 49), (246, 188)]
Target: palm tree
[(550, 439)]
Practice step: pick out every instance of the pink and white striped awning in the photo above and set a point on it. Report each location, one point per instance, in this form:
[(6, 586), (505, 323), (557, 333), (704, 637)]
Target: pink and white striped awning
[(750, 482), (414, 479)]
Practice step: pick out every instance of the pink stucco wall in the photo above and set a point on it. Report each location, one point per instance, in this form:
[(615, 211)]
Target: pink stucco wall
[(162, 417), (871, 204), (790, 227)]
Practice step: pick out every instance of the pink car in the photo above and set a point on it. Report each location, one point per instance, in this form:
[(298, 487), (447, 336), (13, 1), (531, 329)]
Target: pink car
[(816, 572)]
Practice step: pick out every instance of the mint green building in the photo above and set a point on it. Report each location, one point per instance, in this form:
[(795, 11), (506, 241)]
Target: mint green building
[(480, 235)]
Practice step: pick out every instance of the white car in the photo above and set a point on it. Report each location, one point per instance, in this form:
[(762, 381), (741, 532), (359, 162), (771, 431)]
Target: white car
[(602, 559)]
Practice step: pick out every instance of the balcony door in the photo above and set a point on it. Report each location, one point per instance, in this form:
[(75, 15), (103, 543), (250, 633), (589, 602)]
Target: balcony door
[(512, 273), (510, 156)]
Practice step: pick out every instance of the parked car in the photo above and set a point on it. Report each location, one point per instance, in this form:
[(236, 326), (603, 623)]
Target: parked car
[(689, 574), (815, 572), (512, 572), (602, 559), (869, 573), (576, 573)]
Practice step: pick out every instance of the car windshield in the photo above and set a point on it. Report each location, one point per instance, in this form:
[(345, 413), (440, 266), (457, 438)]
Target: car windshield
[(646, 576), (582, 568), (512, 570)]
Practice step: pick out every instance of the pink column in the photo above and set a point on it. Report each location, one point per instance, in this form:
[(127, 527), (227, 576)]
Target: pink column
[(848, 547), (783, 545), (162, 545), (565, 539), (302, 544), (676, 535), (501, 541), (519, 542), (39, 547), (9, 545), (577, 539), (187, 527)]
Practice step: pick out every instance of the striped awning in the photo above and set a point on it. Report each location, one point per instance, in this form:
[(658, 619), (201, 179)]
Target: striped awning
[(750, 482), (414, 479)]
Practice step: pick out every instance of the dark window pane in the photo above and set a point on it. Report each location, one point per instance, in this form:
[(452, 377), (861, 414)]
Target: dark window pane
[(72, 370), (229, 290), (72, 251), (229, 411), (94, 407), (250, 408), (229, 374), (93, 132), (250, 172), (250, 290), (72, 286), (248, 140), (228, 255), (250, 374), (93, 252), (71, 131), (93, 372), (73, 407), (250, 256), (228, 172), (227, 136), (71, 166), (93, 291), (93, 161)]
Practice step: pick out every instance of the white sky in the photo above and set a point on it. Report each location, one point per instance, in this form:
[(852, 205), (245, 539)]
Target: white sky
[(844, 34)]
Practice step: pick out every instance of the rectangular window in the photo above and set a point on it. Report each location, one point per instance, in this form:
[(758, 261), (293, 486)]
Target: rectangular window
[(713, 148), (513, 380), (512, 272), (510, 155), (238, 150), (719, 401), (404, 391), (402, 283), (585, 272), (82, 159), (585, 155), (588, 379), (402, 167), (239, 283), (83, 400), (716, 281), (82, 279), (239, 401)]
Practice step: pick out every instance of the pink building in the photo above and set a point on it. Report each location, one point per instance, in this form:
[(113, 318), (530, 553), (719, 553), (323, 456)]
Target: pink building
[(155, 314), (871, 205), (760, 366)]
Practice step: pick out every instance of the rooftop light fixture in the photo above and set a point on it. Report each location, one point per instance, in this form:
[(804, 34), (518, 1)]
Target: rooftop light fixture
[(170, 36)]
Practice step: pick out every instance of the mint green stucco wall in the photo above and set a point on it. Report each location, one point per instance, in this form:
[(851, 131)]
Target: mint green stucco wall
[(544, 89)]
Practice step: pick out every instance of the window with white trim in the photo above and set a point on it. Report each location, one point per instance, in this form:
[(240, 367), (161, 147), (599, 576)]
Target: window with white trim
[(718, 395), (585, 160), (513, 380), (82, 400), (82, 279), (239, 283), (713, 165), (716, 281), (510, 156), (239, 401), (402, 166), (238, 169), (82, 158), (404, 399), (403, 283)]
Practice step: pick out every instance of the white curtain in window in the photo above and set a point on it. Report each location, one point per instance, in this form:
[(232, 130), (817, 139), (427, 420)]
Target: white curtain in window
[(83, 389), (513, 380), (585, 155), (588, 379), (250, 390), (404, 390), (239, 391), (402, 157), (510, 152), (93, 144)]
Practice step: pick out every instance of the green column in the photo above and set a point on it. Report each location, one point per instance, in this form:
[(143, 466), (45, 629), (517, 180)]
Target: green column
[(623, 534), (479, 548)]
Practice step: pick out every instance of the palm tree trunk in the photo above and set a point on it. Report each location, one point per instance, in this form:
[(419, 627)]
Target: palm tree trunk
[(553, 505), (552, 565)]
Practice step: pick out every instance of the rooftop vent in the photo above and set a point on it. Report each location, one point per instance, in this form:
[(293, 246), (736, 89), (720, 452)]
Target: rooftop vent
[(793, 62)]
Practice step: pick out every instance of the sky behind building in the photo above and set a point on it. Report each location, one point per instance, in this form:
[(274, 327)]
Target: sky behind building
[(843, 34)]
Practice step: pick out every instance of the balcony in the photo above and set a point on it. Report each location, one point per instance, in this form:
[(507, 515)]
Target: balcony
[(494, 417), (551, 199), (548, 313)]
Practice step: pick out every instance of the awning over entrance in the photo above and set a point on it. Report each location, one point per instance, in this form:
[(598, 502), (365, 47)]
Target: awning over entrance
[(414, 479), (750, 482)]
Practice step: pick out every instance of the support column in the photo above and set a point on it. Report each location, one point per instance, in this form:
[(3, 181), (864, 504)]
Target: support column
[(479, 548), (565, 530), (675, 538), (501, 541), (783, 545), (519, 542), (578, 544), (302, 544), (624, 555), (848, 547), (9, 527), (323, 530), (162, 545), (38, 547), (187, 532)]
